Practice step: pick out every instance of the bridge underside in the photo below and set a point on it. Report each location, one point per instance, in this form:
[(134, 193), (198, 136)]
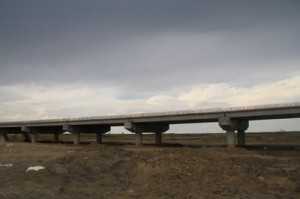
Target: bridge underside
[(235, 131)]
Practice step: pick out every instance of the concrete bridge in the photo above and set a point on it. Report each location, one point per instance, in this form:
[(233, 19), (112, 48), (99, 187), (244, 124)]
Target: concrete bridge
[(234, 121)]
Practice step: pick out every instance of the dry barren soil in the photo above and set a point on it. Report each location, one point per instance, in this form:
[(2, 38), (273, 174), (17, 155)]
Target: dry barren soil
[(186, 166)]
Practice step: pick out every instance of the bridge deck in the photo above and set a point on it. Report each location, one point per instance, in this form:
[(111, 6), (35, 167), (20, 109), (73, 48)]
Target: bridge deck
[(262, 112)]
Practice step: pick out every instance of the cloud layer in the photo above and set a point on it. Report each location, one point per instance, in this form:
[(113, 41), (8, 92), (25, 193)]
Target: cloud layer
[(23, 102), (64, 58)]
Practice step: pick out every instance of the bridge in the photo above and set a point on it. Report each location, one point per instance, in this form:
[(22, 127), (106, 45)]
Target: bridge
[(234, 121)]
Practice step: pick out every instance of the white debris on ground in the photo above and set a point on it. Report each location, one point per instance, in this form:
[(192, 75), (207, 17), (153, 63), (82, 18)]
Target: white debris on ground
[(67, 133), (35, 168), (6, 165)]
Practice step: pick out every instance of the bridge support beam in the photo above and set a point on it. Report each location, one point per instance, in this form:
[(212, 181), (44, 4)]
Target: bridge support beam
[(140, 128), (231, 126)]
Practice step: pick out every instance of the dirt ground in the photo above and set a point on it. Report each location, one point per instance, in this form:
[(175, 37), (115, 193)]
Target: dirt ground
[(186, 166)]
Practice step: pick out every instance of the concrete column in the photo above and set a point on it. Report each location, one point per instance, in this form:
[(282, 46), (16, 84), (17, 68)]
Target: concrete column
[(230, 138), (76, 137), (3, 138), (241, 138), (158, 138), (33, 137), (139, 139), (230, 126), (56, 137), (26, 137), (99, 138), (138, 128)]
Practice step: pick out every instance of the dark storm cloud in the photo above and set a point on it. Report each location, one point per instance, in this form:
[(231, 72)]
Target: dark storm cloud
[(147, 45), (67, 58)]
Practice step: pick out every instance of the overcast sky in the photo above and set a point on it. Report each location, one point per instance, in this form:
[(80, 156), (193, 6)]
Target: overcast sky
[(70, 58)]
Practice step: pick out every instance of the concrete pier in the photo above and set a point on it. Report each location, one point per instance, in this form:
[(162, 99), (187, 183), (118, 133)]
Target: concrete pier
[(33, 137), (2, 140), (230, 126), (32, 133), (94, 129), (29, 133), (75, 132), (230, 138), (99, 138), (158, 138), (76, 137), (139, 139), (242, 126), (241, 141), (26, 137), (139, 128), (56, 137), (3, 137)]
